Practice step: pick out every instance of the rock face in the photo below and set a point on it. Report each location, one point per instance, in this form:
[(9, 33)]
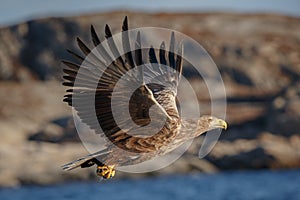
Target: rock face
[(258, 57)]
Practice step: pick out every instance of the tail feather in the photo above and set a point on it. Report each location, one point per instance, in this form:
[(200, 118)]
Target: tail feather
[(86, 161)]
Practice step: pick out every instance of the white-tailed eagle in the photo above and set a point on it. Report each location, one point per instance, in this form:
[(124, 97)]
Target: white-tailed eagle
[(175, 130)]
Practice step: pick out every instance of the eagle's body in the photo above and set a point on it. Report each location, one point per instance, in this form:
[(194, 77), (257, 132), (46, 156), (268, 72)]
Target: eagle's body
[(174, 130)]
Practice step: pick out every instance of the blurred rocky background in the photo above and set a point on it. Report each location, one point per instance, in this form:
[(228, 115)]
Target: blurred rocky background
[(258, 56)]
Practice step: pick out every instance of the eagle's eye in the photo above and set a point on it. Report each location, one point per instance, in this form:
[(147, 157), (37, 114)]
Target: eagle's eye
[(209, 119)]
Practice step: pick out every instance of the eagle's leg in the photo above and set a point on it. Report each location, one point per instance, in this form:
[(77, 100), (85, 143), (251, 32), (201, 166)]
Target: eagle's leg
[(106, 171)]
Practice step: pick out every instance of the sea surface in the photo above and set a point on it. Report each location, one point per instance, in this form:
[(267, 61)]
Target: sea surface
[(245, 185)]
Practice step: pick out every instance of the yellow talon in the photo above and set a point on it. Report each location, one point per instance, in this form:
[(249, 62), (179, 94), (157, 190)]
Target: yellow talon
[(106, 171)]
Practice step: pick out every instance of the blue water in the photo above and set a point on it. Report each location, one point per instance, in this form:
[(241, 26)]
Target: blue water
[(253, 185)]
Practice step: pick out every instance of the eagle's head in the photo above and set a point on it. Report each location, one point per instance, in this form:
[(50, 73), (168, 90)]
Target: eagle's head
[(207, 123)]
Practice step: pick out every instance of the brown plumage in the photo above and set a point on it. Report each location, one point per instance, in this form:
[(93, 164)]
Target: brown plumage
[(174, 132)]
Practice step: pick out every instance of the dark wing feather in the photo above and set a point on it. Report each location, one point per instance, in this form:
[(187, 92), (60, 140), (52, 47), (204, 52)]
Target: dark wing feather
[(113, 48), (138, 50), (171, 51), (168, 69), (100, 49), (126, 43)]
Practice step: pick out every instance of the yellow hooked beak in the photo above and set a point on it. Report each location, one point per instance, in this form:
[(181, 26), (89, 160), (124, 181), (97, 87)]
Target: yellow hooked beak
[(219, 123)]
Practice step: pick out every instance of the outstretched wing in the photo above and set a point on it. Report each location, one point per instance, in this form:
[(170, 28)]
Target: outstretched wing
[(166, 70), (93, 84)]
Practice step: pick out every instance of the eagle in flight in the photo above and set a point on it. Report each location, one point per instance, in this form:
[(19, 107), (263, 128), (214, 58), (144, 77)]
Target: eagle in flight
[(83, 81)]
